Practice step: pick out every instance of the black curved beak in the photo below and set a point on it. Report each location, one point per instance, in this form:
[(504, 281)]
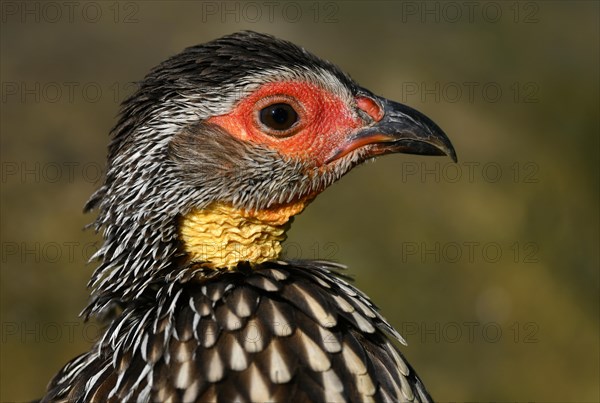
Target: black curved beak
[(401, 129)]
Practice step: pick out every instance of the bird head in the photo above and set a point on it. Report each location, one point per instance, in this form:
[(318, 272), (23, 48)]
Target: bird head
[(222, 144)]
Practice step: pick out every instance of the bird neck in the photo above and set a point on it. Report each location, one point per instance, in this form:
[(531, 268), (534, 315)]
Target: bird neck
[(224, 236)]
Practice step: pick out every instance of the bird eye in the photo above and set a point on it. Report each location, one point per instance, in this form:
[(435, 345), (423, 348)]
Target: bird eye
[(279, 117)]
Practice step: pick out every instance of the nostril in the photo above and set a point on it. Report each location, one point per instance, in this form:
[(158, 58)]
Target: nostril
[(370, 107)]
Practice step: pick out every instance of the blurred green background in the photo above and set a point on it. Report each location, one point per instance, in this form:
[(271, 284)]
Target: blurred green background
[(490, 267)]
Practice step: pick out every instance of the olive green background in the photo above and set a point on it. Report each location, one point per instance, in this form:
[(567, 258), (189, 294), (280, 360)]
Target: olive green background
[(490, 267)]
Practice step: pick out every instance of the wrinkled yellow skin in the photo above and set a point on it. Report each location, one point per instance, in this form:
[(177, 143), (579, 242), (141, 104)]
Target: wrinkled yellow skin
[(224, 236)]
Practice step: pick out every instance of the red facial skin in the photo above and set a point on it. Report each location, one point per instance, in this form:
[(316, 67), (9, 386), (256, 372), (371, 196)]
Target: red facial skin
[(370, 107), (324, 123)]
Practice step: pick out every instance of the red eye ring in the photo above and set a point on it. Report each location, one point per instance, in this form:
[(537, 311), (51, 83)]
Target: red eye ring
[(279, 116)]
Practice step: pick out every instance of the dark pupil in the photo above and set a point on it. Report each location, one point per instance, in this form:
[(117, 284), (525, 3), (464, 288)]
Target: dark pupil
[(278, 116)]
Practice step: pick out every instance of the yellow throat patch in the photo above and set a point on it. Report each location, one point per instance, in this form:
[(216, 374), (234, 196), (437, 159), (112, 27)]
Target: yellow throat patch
[(224, 236)]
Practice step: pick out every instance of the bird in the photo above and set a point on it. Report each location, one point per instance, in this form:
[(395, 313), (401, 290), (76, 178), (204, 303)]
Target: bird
[(213, 155)]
